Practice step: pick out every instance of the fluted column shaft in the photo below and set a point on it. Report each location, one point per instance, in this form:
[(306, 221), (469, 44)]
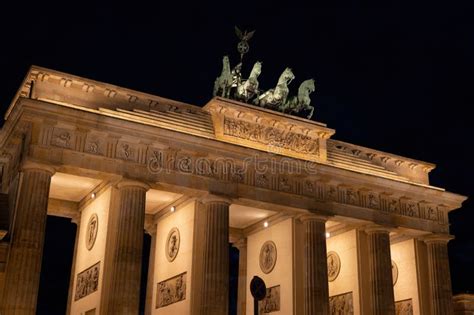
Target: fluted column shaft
[(151, 273), (316, 289), (23, 268), (126, 254), (215, 281), (439, 276), (380, 266), (242, 284)]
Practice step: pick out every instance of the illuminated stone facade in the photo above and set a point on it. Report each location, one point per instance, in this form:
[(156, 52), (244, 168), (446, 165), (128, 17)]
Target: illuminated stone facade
[(278, 187)]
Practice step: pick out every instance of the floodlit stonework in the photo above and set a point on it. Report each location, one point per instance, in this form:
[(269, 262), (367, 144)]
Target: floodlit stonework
[(280, 188)]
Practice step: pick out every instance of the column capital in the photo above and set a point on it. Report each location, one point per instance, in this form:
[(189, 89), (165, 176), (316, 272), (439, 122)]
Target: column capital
[(241, 243), (437, 238), (211, 198), (312, 217), (125, 182), (30, 166), (76, 219), (375, 228), (150, 225)]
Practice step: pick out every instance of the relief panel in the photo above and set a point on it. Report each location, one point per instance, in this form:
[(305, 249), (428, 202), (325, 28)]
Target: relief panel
[(87, 281), (271, 302), (341, 304), (171, 291)]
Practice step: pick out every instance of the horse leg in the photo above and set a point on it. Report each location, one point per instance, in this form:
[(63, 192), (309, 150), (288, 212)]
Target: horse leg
[(310, 113)]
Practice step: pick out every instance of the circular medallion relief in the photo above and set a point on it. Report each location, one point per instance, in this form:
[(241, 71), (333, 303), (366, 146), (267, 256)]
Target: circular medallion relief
[(172, 244), (91, 232), (268, 256), (334, 266), (394, 272)]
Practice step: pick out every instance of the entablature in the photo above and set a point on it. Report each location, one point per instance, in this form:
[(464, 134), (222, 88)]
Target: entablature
[(61, 137)]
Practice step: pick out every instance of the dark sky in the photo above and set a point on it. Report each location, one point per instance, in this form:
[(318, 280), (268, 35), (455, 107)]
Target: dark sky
[(395, 76)]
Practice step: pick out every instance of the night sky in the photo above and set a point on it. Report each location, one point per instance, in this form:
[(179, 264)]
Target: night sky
[(393, 77)]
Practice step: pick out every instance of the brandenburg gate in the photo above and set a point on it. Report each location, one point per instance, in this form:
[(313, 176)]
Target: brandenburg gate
[(331, 227)]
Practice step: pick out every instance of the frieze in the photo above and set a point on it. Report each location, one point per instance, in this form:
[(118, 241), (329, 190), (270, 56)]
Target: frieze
[(271, 136), (341, 304), (171, 291), (87, 281), (271, 302), (169, 159), (404, 307)]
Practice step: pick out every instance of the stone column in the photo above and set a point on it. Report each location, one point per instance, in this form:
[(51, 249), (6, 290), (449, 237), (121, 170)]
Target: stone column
[(151, 270), (380, 266), (242, 286), (76, 220), (441, 297), (215, 259), (23, 268), (125, 248), (316, 288)]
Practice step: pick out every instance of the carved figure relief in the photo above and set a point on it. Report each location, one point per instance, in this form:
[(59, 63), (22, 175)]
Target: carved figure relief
[(373, 201), (404, 307), (172, 244), (332, 193), (341, 304), (262, 180), (394, 272), (351, 197), (432, 214), (267, 135), (95, 144), (285, 184), (271, 302), (334, 266), (91, 231), (171, 290), (62, 138), (87, 281), (268, 256)]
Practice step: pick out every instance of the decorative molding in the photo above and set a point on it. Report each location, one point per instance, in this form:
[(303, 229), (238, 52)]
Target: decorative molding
[(171, 291)]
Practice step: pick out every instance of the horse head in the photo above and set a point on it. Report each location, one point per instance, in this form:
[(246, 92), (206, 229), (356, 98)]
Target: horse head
[(256, 70), (225, 64), (309, 85), (286, 77)]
